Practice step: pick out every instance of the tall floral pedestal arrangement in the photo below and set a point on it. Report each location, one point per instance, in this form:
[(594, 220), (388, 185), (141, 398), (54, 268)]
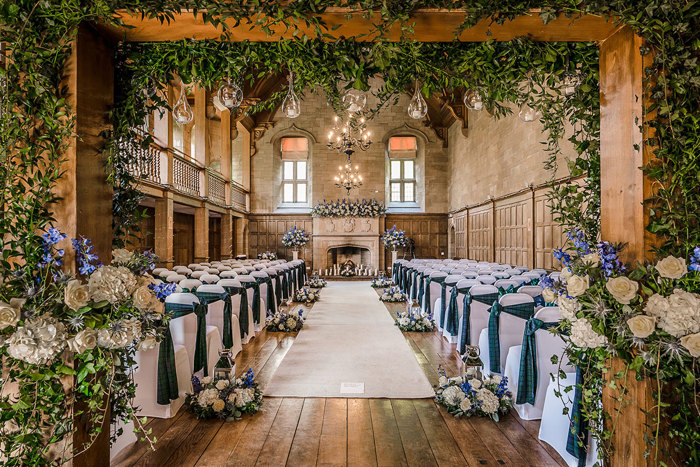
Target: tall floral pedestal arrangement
[(295, 238), (394, 256), (394, 238), (295, 254)]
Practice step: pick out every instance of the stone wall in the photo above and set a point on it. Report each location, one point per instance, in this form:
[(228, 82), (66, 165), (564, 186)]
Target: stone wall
[(315, 122)]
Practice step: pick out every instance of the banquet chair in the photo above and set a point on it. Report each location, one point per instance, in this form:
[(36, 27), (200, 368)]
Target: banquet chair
[(260, 266), (223, 268), (175, 277), (156, 271), (529, 276), (165, 273), (539, 272), (555, 275), (500, 267), (190, 285), (505, 329), (486, 279), (500, 275), (199, 267), (228, 274), (555, 425), (254, 300), (267, 292), (146, 375), (434, 289), (505, 283), (197, 274), (475, 311), (181, 269), (215, 317), (240, 308), (249, 268), (205, 264), (535, 291), (519, 279), (451, 321), (193, 266), (512, 271), (211, 270), (546, 344), (209, 278)]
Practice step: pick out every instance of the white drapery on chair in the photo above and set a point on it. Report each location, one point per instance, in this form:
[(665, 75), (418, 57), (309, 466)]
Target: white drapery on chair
[(215, 317)]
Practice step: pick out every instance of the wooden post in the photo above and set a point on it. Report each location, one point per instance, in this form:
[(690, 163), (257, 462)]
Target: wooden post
[(164, 220), (227, 240), (624, 218), (201, 234)]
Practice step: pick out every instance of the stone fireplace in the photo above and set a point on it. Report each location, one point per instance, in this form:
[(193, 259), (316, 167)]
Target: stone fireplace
[(356, 239)]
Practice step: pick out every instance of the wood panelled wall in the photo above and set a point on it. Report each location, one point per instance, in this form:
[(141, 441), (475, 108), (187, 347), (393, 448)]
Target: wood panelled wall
[(517, 229), (428, 231), (183, 238), (265, 233)]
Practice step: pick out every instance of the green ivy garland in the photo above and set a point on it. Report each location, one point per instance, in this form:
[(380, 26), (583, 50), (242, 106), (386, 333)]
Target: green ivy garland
[(36, 121)]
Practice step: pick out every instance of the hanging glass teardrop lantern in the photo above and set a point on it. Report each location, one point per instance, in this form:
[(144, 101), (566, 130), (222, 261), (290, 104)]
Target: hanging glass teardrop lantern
[(291, 107), (354, 100), (182, 112), (570, 83), (417, 108), (528, 114), (230, 94), (473, 99)]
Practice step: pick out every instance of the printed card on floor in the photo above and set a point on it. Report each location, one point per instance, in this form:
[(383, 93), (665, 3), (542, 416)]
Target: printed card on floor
[(352, 388)]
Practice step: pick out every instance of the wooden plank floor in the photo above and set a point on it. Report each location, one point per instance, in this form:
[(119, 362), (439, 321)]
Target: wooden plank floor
[(339, 432)]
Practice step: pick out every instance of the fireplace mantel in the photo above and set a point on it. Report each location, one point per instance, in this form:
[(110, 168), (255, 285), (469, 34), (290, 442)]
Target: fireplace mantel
[(335, 232)]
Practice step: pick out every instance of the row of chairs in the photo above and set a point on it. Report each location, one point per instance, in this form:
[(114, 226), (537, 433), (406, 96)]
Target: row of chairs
[(501, 310)]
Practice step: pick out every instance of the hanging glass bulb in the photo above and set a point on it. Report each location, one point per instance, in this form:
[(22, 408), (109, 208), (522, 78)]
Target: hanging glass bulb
[(417, 108), (528, 114), (182, 112), (230, 94), (291, 105), (570, 83), (473, 100), (354, 100)]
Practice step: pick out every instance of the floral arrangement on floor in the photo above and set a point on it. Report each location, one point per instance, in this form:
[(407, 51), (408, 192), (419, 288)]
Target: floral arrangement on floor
[(381, 283), (295, 238), (306, 295), (285, 322), (316, 282), (96, 320), (415, 320), (224, 398), (484, 397), (394, 238), (648, 316), (268, 255), (348, 271), (348, 208), (392, 295)]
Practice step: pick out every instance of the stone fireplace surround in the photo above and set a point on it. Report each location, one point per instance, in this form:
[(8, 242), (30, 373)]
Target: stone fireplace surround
[(361, 233)]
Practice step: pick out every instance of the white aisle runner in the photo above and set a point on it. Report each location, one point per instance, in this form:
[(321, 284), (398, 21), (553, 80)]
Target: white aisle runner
[(349, 347)]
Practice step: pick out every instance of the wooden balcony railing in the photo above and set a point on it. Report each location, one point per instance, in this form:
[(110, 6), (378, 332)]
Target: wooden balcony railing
[(168, 167)]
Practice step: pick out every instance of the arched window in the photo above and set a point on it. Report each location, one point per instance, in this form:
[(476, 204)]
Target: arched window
[(403, 151), (295, 179)]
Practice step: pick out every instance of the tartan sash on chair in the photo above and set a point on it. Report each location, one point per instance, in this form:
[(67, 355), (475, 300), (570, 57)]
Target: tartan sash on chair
[(285, 286), (465, 331), (535, 281), (539, 300), (290, 282), (527, 381), (414, 291), (443, 299), (521, 310), (399, 275), (271, 308), (421, 288), (206, 298), (243, 308), (406, 278), (452, 313), (577, 441), (193, 290), (278, 288), (166, 388), (256, 298), (395, 273), (509, 289)]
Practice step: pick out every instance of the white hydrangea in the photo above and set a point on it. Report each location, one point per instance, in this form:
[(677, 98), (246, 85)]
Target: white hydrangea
[(453, 395), (112, 283), (38, 342), (489, 401), (568, 307), (678, 314), (207, 397), (244, 396), (291, 323), (583, 335)]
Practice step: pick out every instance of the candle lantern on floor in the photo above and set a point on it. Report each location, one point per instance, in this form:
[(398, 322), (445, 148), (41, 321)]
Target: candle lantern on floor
[(225, 368), (471, 363)]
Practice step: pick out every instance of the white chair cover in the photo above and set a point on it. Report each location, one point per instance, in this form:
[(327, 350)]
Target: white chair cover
[(522, 268), (156, 272), (213, 271), (539, 272), (215, 317), (209, 278), (165, 273), (519, 279), (486, 279), (505, 283), (479, 315), (510, 331), (190, 284), (531, 290), (175, 277), (228, 274), (197, 274)]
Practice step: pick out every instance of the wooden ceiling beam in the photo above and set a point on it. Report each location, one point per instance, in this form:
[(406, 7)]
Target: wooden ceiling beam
[(431, 25)]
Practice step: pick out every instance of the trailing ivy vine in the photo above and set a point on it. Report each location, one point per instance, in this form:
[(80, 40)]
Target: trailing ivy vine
[(36, 123)]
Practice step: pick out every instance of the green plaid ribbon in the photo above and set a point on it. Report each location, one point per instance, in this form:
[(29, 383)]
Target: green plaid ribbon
[(166, 385), (414, 288), (421, 287), (256, 299), (206, 298), (399, 275), (577, 441), (535, 281), (521, 310), (527, 381), (451, 325), (443, 299), (243, 308), (193, 290), (464, 338), (290, 282), (509, 289), (395, 273), (406, 278), (285, 285), (271, 306), (278, 288)]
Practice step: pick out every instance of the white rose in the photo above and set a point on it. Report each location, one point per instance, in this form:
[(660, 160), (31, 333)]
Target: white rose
[(206, 380), (453, 395), (147, 343), (496, 379), (474, 383), (121, 256), (549, 295), (442, 381), (143, 298), (692, 343), (76, 295), (218, 405), (222, 384), (642, 326), (10, 312), (577, 285), (622, 289), (83, 341), (672, 267), (568, 307), (465, 405), (591, 259), (565, 274)]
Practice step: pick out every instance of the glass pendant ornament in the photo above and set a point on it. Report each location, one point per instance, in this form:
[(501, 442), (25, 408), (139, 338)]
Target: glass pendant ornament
[(230, 94), (354, 100), (528, 114), (291, 107), (417, 108), (182, 112), (473, 100), (570, 83)]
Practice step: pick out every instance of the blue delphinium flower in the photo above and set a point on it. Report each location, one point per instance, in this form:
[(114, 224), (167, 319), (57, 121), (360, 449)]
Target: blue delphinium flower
[(502, 387), (51, 257), (609, 259), (695, 260), (577, 237), (563, 257), (248, 381), (85, 255), (163, 290), (467, 388), (196, 385)]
